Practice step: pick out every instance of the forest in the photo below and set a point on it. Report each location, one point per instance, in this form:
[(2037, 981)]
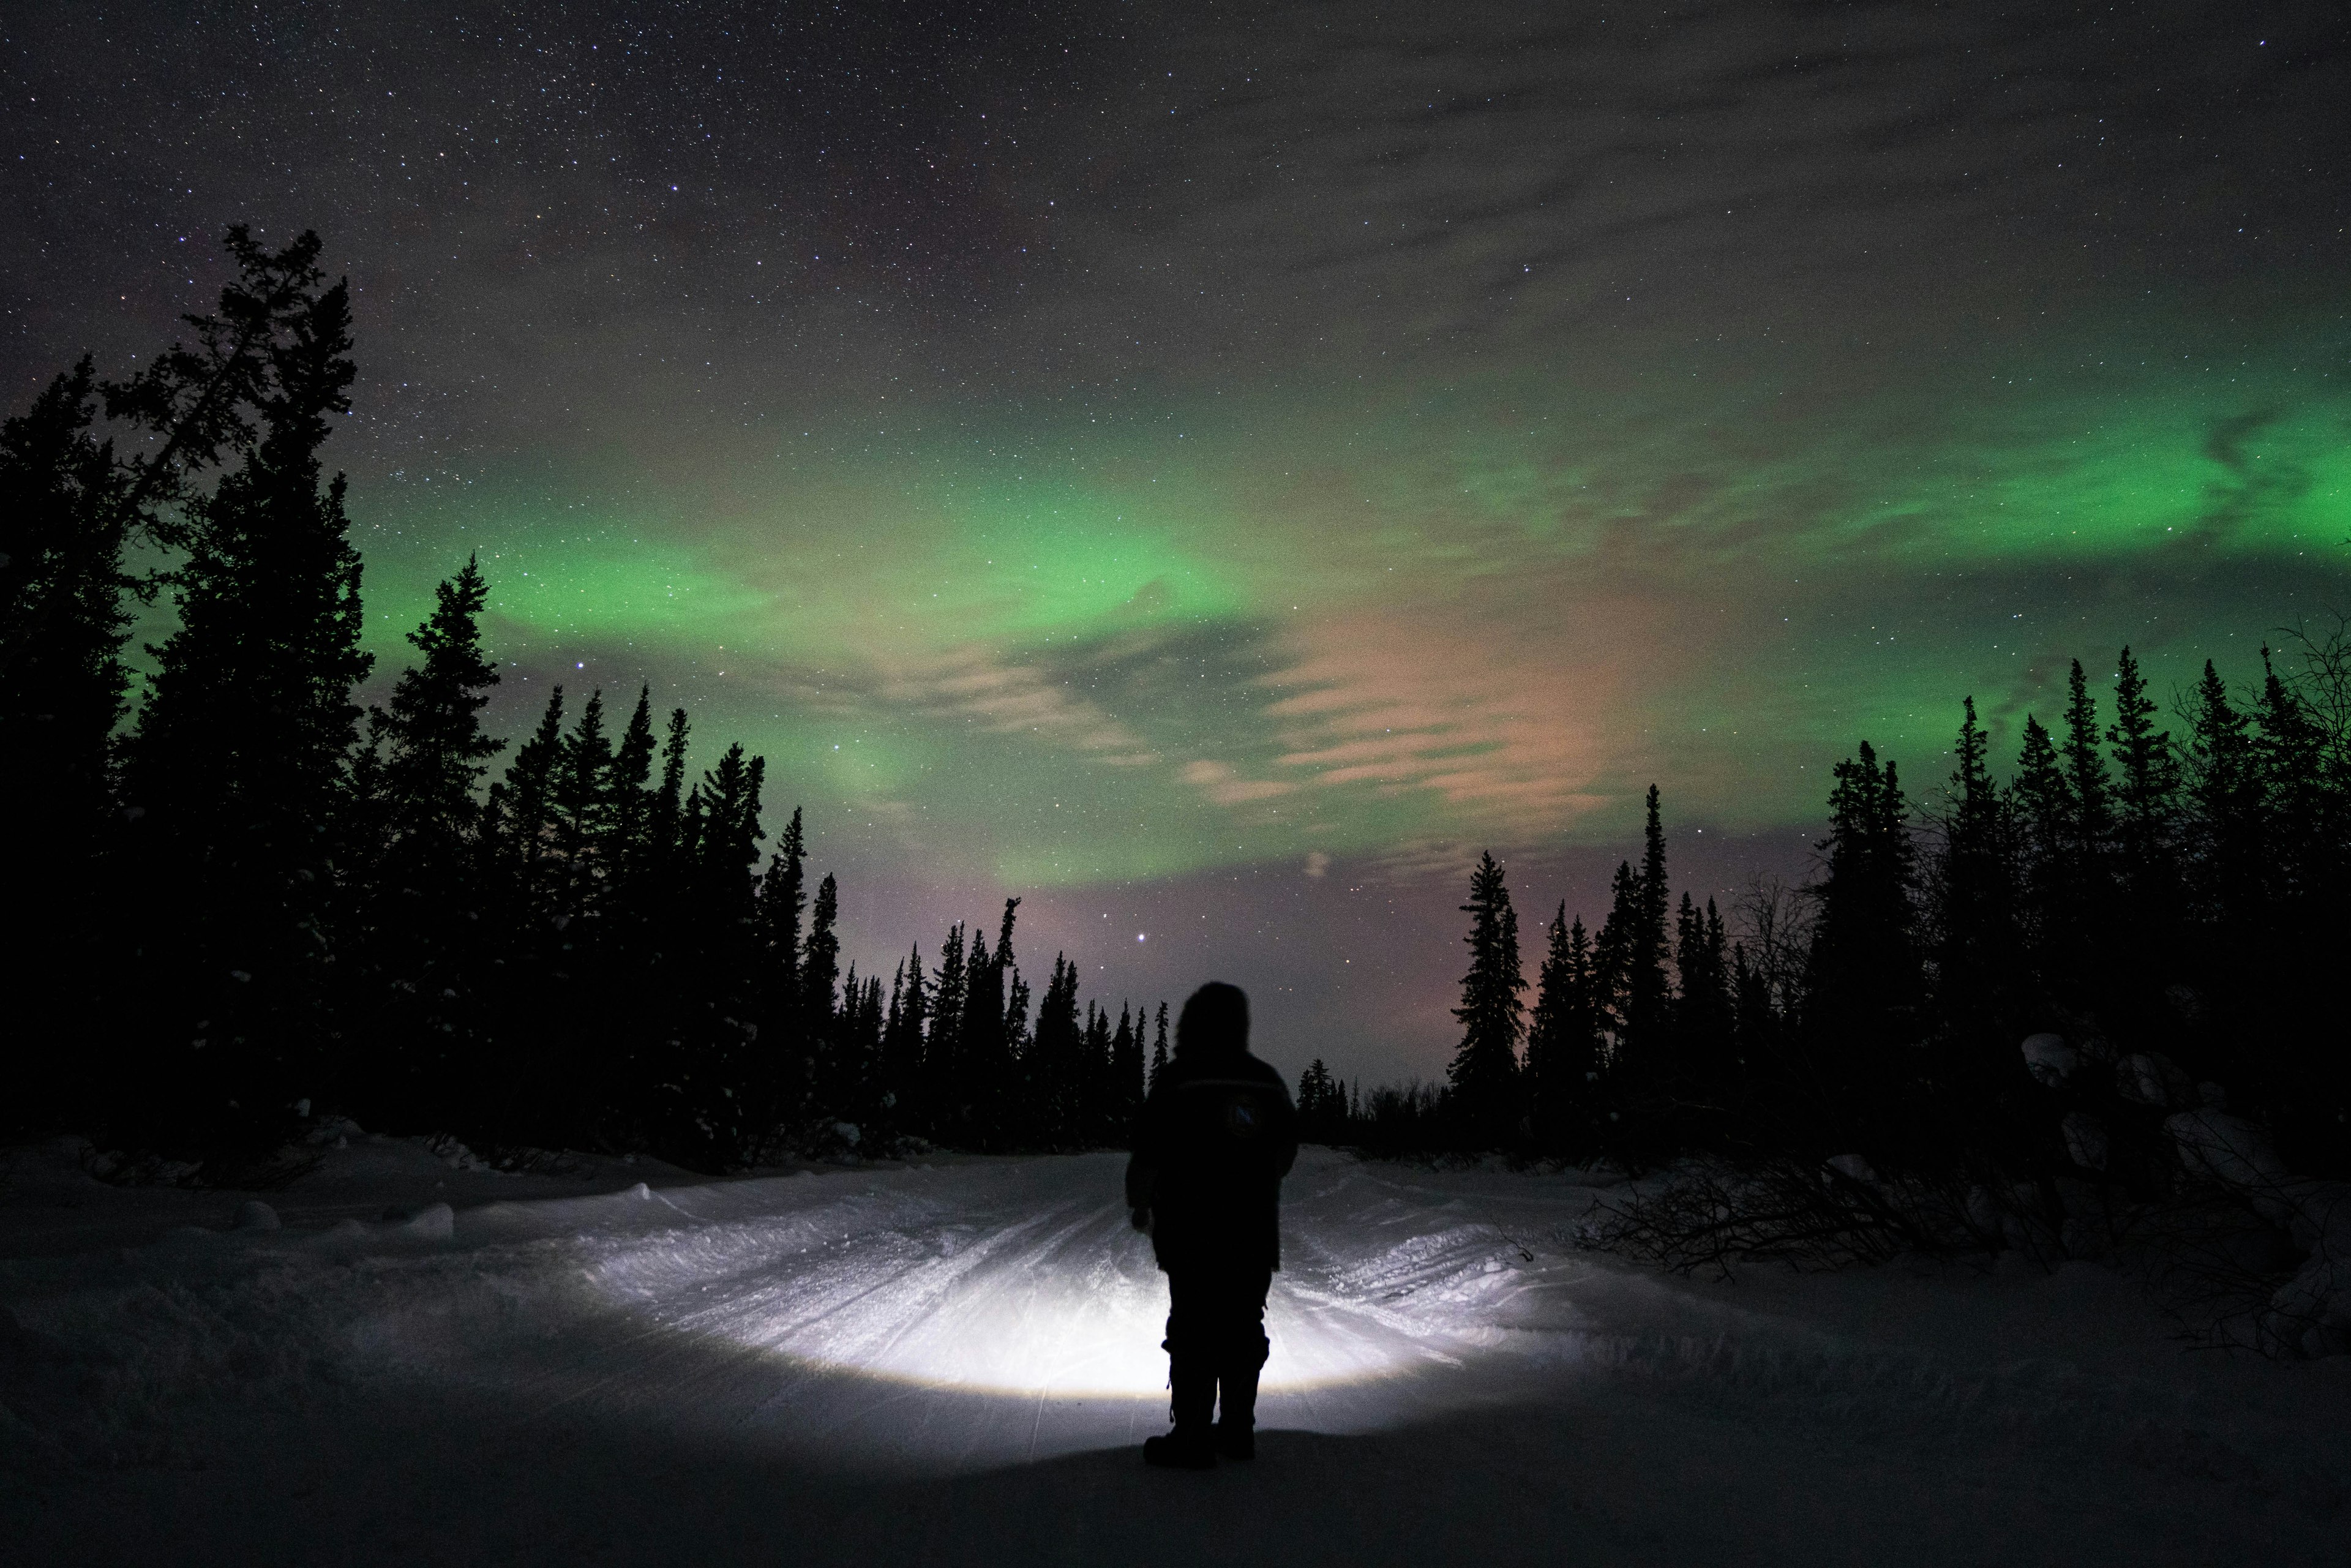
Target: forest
[(2168, 903), (251, 907)]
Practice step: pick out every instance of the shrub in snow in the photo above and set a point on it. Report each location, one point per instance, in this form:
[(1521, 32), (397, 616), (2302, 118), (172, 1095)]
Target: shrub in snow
[(2050, 1060), (333, 1132), (2310, 1315), (2232, 1152), (445, 1147), (2085, 1141), (2087, 1237), (1985, 1215)]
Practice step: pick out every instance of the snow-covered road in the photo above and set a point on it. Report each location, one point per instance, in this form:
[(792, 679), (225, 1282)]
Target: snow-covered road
[(955, 1364)]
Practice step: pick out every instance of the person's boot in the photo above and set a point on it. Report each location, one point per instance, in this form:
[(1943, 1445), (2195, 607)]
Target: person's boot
[(1236, 1421), (1192, 1445)]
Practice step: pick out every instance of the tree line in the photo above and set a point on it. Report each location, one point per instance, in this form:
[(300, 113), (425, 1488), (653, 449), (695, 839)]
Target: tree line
[(2172, 897), (252, 901)]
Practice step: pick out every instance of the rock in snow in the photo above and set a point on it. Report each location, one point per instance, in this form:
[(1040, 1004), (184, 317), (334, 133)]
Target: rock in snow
[(255, 1215), (1853, 1167), (434, 1222)]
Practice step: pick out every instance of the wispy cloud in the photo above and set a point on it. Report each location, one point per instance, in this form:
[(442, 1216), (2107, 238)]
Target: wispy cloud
[(1223, 783), (1504, 729), (973, 684)]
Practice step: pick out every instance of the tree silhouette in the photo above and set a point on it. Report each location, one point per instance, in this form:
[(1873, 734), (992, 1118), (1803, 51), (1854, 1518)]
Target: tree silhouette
[(64, 614), (1485, 1068), (1564, 1042), (237, 759)]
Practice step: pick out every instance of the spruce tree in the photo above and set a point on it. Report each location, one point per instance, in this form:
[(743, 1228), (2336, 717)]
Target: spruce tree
[(1485, 1068), (2224, 790), (2290, 1039), (1648, 995), (1611, 961), (1704, 1011), (584, 811), (1319, 1103), (1016, 1038), (2288, 760), (414, 952), (2089, 789), (1094, 1069), (631, 789), (711, 1121), (1158, 1050), (1972, 892), (665, 830), (820, 977), (2043, 800), (2045, 815), (64, 613), (943, 1047), (238, 757), (984, 1059), (789, 1070), (437, 753), (73, 506), (1125, 1098), (1865, 980), (901, 1041), (1055, 1066), (1564, 1042), (2148, 788), (1630, 957), (522, 818)]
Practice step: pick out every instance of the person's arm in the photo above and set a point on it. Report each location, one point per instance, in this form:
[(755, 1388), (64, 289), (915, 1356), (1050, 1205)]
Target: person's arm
[(1142, 1165), (1285, 1130)]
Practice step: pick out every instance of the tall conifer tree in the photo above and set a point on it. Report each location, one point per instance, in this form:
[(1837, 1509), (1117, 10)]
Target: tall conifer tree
[(413, 953), (239, 754), (64, 615), (1865, 980), (1563, 1041), (1485, 1068)]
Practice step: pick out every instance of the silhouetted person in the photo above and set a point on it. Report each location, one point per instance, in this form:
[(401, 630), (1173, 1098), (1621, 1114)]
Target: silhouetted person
[(1217, 1134)]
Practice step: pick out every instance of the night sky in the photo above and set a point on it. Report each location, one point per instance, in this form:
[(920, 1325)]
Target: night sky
[(1213, 470)]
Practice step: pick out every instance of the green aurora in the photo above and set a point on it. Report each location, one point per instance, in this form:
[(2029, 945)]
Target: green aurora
[(1481, 611)]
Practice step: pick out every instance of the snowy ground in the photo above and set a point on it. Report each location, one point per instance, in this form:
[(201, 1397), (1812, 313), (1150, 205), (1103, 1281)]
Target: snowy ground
[(955, 1364)]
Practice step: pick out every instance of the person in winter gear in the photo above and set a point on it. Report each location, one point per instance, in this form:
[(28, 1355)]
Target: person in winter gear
[(1216, 1136)]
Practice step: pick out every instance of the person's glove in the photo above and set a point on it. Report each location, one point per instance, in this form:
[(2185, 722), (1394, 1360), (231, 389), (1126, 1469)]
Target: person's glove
[(1142, 1220)]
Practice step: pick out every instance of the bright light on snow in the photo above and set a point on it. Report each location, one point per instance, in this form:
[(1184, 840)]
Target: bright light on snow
[(1066, 1305)]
